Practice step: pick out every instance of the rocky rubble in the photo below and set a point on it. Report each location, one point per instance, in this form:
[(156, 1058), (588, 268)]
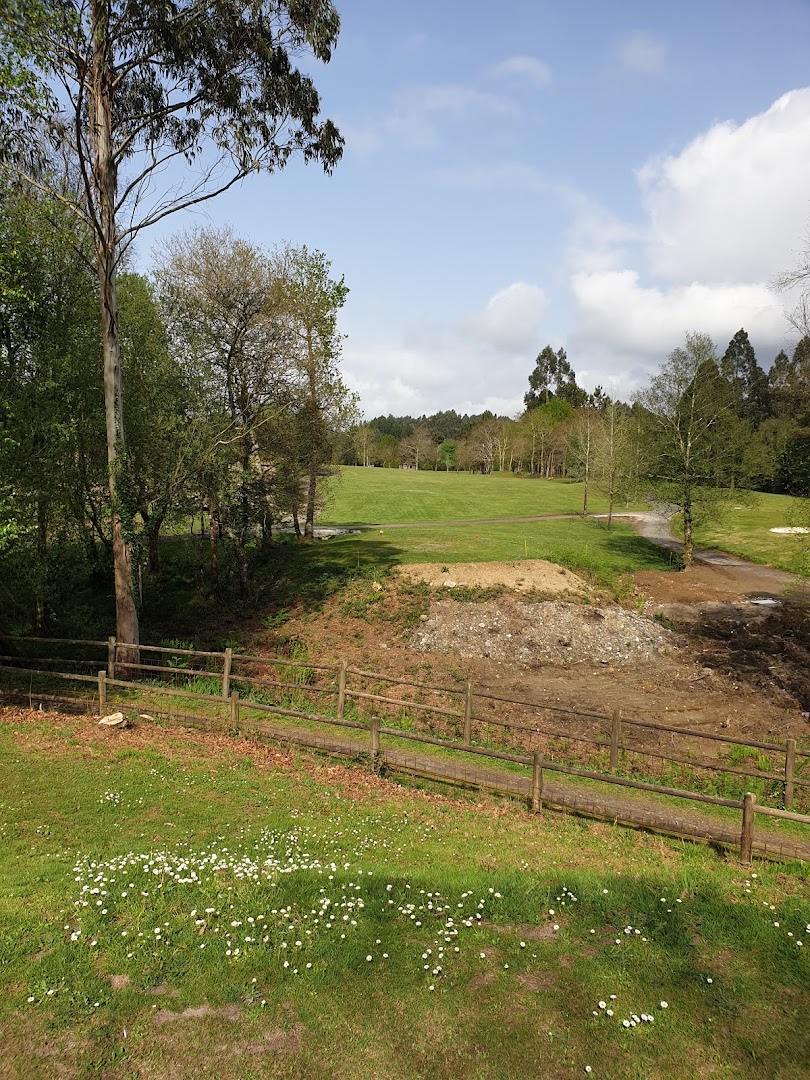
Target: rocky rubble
[(552, 632)]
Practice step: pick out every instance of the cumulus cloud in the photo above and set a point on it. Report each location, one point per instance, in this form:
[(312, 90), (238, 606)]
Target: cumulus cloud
[(731, 205), (618, 310), (718, 221), (478, 361), (643, 53), (511, 320), (526, 68)]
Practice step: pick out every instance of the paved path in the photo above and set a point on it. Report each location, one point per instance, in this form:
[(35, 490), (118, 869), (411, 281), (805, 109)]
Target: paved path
[(655, 527)]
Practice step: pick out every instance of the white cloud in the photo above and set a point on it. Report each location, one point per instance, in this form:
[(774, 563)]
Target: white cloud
[(719, 220), (417, 111), (597, 239), (733, 204), (478, 361), (643, 53), (526, 68), (510, 322), (620, 312)]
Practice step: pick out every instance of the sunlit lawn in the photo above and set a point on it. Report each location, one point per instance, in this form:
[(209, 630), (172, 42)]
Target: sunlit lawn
[(745, 530), (583, 546), (361, 495), (314, 927)]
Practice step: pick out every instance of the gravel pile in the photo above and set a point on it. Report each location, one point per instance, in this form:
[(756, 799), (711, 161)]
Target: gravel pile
[(546, 633)]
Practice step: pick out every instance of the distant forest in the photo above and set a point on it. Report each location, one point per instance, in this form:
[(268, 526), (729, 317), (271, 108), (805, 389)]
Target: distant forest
[(756, 421)]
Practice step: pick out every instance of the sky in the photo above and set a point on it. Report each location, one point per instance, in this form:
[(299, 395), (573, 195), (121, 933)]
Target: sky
[(598, 177)]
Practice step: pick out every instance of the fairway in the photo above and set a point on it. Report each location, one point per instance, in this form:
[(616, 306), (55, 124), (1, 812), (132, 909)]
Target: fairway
[(745, 531), (581, 546), (370, 496)]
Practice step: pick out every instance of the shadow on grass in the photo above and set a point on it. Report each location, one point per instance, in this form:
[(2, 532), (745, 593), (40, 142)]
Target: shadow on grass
[(308, 574), (632, 552)]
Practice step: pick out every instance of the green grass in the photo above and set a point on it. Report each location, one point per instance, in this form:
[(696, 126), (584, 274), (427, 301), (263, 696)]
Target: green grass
[(581, 546), (399, 497), (212, 840), (745, 531), (363, 496)]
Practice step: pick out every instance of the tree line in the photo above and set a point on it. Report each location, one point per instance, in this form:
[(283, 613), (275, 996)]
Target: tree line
[(708, 427)]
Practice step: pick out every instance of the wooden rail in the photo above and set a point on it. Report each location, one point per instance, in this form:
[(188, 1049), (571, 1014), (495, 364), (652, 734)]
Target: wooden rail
[(613, 725), (536, 761)]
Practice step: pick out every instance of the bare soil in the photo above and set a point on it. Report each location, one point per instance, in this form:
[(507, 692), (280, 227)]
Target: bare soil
[(524, 575), (740, 669)]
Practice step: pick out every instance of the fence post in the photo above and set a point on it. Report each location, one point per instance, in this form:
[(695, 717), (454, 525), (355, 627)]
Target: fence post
[(110, 657), (790, 767), (234, 717), (341, 700), (747, 835), (537, 782), (615, 736), (468, 715), (226, 674), (375, 737), (102, 692)]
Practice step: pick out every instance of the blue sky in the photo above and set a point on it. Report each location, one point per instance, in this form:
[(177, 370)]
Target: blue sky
[(605, 177)]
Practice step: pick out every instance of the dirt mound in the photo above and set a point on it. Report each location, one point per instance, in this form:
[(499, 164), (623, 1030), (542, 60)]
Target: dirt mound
[(525, 575), (552, 632)]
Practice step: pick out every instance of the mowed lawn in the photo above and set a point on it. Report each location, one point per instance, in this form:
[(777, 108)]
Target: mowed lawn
[(398, 497), (373, 496), (578, 545), (194, 906), (745, 531)]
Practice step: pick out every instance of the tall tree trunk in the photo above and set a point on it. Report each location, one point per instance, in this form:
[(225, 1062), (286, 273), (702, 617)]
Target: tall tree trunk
[(312, 482), (688, 547), (42, 568), (296, 523), (106, 184)]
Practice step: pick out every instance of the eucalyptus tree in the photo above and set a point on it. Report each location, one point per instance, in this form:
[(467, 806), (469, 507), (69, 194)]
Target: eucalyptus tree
[(151, 107)]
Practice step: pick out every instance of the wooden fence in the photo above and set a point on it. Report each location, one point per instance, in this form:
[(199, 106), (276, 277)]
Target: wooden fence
[(611, 729)]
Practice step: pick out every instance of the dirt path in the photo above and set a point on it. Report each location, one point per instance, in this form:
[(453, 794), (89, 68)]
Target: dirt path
[(745, 576), (687, 822), (477, 521)]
